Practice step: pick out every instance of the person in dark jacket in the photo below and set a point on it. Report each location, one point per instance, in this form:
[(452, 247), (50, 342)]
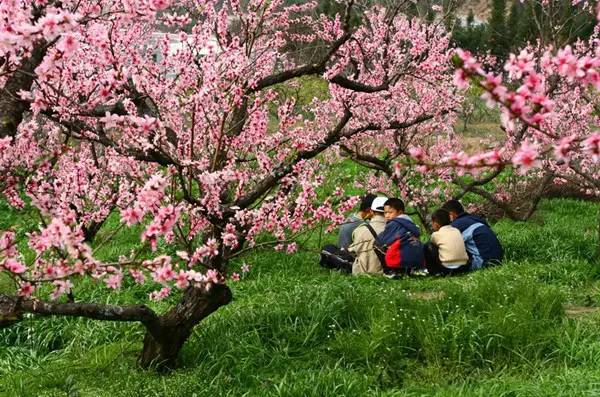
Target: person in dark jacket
[(482, 245), (352, 222), (400, 226)]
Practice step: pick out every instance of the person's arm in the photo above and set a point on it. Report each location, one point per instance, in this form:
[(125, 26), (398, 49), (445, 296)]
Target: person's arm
[(391, 233), (435, 238), (356, 239), (386, 237), (344, 236)]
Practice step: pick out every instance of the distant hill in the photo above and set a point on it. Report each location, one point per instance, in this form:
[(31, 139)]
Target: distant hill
[(481, 10)]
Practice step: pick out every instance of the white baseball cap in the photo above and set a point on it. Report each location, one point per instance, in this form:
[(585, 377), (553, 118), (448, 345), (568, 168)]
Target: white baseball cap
[(378, 203)]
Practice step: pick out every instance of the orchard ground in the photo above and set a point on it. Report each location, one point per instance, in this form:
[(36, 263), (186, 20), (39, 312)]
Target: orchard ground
[(527, 328)]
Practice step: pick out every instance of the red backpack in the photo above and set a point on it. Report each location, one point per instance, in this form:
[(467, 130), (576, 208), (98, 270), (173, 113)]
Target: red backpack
[(389, 256), (393, 257)]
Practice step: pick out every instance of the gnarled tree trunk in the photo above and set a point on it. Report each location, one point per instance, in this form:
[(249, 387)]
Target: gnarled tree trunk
[(165, 334), (164, 340)]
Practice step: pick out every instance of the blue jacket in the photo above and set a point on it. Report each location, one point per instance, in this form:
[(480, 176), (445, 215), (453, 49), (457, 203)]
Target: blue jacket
[(411, 248), (481, 243)]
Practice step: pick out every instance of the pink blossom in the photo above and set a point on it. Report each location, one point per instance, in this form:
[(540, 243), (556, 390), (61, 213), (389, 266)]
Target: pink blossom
[(158, 5), (207, 250), (160, 295), (527, 157), (592, 146), (162, 224), (14, 266), (417, 153), (7, 244), (291, 248), (137, 276), (235, 277), (461, 79), (469, 62), (68, 44), (182, 280), (26, 289), (495, 91), (195, 277), (517, 66), (114, 280), (130, 216), (562, 150), (111, 120), (61, 287), (212, 276), (567, 63), (230, 240), (245, 268), (49, 25), (163, 274)]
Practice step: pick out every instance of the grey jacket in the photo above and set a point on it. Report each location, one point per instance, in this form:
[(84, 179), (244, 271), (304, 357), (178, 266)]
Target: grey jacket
[(346, 229)]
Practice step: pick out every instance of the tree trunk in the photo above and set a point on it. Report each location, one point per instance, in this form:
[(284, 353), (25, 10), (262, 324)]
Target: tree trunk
[(11, 106), (163, 342)]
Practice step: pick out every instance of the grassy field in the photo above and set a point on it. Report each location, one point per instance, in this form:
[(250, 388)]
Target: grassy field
[(527, 328)]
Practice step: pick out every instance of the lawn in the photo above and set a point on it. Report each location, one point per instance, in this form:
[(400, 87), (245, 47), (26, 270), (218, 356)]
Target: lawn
[(527, 328)]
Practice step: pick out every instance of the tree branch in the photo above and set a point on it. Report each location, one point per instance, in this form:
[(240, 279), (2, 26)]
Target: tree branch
[(278, 173), (12, 307), (315, 68), (477, 182)]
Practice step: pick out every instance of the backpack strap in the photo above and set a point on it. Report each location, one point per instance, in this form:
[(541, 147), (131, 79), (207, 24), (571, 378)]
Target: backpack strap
[(371, 230), (379, 248)]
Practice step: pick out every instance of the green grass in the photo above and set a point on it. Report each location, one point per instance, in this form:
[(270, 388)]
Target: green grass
[(294, 329)]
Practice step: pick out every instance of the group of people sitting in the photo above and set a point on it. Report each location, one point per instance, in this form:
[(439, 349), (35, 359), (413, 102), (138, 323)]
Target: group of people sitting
[(381, 239)]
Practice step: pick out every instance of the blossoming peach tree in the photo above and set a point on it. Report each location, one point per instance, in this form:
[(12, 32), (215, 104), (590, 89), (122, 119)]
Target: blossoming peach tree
[(183, 135), (548, 101), (549, 113)]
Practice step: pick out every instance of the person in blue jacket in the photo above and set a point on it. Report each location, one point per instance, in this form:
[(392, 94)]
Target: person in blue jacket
[(482, 245), (400, 226)]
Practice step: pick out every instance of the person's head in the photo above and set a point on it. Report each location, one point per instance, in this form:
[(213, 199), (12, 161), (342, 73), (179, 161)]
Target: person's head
[(440, 218), (392, 208), (454, 207), (365, 206), (377, 205)]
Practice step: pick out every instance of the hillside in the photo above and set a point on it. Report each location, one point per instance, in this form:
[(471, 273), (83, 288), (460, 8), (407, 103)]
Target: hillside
[(481, 9)]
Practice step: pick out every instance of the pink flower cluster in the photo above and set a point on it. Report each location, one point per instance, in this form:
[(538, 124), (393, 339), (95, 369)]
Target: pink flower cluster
[(148, 200), (533, 105), (161, 225)]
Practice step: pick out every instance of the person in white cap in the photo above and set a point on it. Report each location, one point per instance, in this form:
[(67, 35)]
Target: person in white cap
[(363, 240)]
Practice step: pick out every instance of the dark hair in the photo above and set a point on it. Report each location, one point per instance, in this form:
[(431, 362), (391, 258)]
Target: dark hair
[(395, 203), (441, 217), (453, 206), (366, 202)]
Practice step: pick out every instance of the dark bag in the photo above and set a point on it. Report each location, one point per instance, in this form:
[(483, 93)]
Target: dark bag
[(333, 257)]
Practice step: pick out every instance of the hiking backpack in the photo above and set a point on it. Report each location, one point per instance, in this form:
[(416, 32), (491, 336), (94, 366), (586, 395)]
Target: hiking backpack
[(389, 256)]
